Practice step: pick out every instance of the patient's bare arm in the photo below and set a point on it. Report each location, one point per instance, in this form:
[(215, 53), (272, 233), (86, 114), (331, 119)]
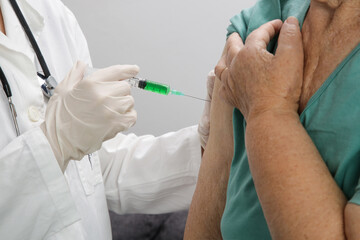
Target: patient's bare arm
[(209, 199)]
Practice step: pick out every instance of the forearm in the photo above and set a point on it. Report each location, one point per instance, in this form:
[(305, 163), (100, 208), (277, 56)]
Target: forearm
[(299, 197), (210, 195)]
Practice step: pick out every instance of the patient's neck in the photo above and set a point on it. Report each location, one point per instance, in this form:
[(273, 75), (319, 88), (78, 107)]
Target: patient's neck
[(325, 12), (334, 16), (334, 4), (330, 31), (2, 25)]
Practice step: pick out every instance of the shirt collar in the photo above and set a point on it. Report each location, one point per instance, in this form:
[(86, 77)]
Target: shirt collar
[(34, 19), (16, 42)]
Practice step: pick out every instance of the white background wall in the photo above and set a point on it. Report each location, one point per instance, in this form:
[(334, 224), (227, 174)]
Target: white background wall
[(173, 41)]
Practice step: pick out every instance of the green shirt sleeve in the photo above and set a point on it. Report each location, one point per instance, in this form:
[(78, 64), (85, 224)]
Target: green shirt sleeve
[(264, 11), (252, 18), (239, 23)]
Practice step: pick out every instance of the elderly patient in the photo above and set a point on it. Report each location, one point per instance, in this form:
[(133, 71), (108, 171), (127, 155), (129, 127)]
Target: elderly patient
[(295, 169)]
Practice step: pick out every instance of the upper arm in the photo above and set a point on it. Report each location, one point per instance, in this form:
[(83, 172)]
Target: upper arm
[(352, 221), (210, 195), (352, 216), (80, 49)]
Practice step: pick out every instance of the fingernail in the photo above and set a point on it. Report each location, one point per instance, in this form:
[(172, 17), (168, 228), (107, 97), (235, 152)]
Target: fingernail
[(292, 21)]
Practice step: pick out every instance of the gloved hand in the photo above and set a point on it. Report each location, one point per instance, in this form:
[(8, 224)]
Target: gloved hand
[(84, 112), (204, 124)]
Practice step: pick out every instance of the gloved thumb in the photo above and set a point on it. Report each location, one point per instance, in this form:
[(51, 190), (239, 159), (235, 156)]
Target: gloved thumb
[(290, 47)]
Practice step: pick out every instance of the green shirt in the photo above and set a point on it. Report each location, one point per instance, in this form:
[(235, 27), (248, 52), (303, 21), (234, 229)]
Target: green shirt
[(331, 118)]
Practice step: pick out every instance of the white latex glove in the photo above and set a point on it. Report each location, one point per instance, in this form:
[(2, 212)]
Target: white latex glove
[(204, 124), (84, 112)]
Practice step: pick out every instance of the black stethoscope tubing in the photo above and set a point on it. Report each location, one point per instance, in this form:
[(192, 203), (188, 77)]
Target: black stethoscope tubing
[(32, 40), (8, 93), (50, 82), (5, 84)]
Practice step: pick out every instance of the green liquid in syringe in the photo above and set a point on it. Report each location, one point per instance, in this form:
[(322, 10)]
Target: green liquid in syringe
[(157, 88)]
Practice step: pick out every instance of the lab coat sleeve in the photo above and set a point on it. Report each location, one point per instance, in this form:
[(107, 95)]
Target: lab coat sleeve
[(150, 174), (81, 50), (35, 201)]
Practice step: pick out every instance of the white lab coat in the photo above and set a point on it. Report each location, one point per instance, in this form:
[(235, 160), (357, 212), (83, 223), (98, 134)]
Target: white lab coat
[(129, 174)]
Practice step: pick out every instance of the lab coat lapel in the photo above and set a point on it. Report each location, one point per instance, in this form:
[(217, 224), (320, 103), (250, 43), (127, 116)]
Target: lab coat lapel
[(18, 61), (16, 43), (33, 17)]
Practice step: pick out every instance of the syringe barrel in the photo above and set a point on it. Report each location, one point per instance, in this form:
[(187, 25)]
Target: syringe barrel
[(155, 87)]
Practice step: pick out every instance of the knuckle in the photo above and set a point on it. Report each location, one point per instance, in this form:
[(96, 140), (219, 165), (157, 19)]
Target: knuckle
[(131, 102), (133, 116), (232, 53), (218, 70), (125, 88), (96, 95), (232, 40), (127, 104), (244, 53), (224, 74), (291, 31), (129, 119), (264, 56)]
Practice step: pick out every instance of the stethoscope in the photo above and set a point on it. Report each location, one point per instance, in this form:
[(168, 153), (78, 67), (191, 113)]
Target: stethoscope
[(50, 83)]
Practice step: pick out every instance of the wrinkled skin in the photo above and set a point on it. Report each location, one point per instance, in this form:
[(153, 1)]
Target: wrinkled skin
[(256, 81)]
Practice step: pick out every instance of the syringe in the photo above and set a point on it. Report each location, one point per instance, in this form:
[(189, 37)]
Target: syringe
[(147, 85), (155, 87)]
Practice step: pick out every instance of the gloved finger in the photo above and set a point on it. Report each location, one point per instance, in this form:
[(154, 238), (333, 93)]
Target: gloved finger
[(116, 73), (118, 88), (121, 104), (261, 37), (125, 121), (119, 113)]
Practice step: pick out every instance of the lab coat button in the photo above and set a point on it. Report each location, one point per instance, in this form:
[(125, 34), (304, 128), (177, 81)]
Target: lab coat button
[(34, 114)]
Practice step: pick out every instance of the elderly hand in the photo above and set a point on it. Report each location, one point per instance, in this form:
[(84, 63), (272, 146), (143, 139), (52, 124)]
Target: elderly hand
[(256, 81), (86, 111)]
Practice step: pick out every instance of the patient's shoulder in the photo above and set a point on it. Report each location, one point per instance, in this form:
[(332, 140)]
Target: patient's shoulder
[(264, 11)]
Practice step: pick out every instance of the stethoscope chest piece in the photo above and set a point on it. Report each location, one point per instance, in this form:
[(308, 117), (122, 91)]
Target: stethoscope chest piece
[(49, 86)]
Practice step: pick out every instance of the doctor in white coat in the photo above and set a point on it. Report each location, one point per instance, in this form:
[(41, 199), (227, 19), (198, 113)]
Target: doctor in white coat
[(129, 174)]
